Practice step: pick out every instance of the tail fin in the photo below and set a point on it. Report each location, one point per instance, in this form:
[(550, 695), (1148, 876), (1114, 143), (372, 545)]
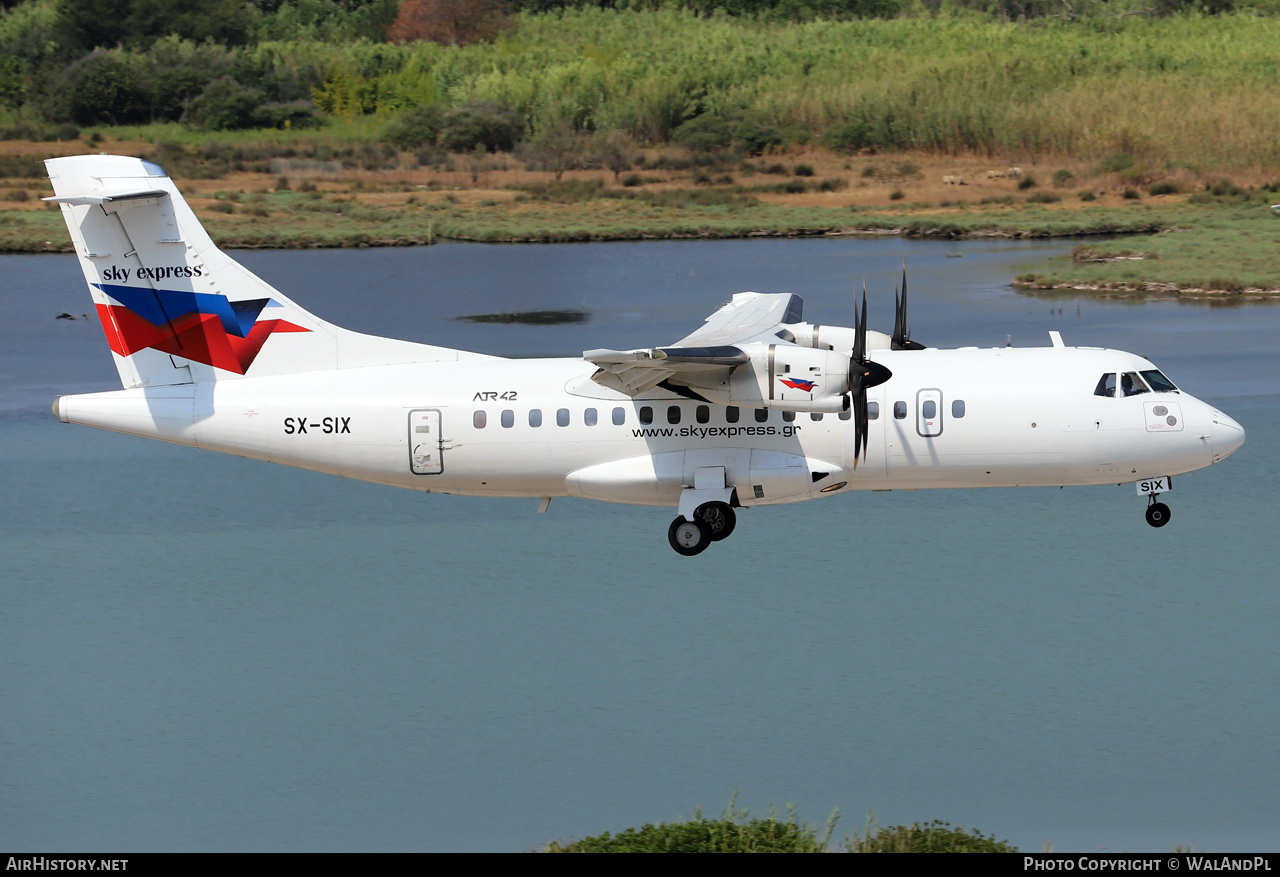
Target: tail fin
[(175, 308)]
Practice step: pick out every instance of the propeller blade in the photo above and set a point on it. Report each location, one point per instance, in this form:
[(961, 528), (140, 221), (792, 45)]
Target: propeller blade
[(901, 339)]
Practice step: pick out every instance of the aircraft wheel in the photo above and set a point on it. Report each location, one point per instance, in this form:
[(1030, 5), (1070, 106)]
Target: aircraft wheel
[(718, 517), (1158, 514), (689, 537)]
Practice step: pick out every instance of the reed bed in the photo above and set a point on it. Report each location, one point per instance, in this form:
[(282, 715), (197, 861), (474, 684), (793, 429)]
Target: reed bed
[(1186, 91)]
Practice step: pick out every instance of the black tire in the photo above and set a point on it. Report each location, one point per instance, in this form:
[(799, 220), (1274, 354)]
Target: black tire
[(1158, 514), (719, 518), (689, 537)]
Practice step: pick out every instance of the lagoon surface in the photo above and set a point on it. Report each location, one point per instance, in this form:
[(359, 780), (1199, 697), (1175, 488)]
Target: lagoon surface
[(201, 652)]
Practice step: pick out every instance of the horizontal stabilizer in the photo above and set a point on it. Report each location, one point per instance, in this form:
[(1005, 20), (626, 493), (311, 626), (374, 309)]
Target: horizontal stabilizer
[(108, 197)]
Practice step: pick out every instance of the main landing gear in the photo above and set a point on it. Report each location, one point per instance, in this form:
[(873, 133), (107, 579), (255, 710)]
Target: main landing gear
[(1158, 513), (712, 521)]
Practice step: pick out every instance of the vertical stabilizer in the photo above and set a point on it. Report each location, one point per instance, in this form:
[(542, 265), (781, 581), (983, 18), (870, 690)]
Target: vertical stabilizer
[(175, 308)]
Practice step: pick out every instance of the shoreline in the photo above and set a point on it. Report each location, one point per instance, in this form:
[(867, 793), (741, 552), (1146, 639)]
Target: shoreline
[(1192, 244)]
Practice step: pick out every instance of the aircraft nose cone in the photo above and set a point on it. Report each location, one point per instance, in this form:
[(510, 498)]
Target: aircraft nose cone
[(1228, 435)]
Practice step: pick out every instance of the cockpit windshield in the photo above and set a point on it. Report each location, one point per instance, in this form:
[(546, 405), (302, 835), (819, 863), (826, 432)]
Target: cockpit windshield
[(1134, 384), (1159, 382)]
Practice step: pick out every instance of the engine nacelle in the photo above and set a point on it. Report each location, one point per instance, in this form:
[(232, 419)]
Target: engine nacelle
[(786, 377), (838, 338)]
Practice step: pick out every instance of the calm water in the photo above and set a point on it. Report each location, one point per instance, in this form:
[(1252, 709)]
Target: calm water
[(203, 652)]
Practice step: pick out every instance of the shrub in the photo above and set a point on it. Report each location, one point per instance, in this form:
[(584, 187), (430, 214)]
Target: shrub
[(726, 835), (1062, 178), (1131, 194), (777, 168), (794, 187), (704, 133), (1043, 198), (1221, 188), (803, 170), (18, 195), (101, 88), (1116, 162), (935, 837), (632, 180), (1088, 196), (419, 127), (896, 195), (833, 184), (849, 137), (757, 139), (497, 127), (1027, 182), (1166, 188), (224, 105)]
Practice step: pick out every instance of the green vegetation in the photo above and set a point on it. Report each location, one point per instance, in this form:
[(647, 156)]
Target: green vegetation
[(1231, 251), (934, 837), (1188, 89), (732, 833), (363, 122), (737, 832)]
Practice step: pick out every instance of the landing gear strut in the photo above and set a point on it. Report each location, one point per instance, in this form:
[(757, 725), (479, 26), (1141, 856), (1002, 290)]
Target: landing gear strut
[(1158, 513), (712, 521)]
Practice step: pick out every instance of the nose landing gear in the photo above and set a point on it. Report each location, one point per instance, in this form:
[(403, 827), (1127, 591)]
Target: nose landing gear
[(1158, 513)]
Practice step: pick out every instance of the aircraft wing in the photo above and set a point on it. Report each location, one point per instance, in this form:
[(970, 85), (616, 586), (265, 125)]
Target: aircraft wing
[(706, 357)]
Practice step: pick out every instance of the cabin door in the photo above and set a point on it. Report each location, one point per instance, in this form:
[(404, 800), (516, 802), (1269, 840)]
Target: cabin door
[(426, 447)]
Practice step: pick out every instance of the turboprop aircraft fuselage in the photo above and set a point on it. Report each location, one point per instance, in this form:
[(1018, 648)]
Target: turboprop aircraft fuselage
[(1000, 417), (756, 407)]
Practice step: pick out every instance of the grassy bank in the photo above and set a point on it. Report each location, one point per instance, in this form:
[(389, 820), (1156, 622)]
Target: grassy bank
[(1217, 238)]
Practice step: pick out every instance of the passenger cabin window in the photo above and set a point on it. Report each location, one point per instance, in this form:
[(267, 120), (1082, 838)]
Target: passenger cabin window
[(817, 415), (619, 416), (873, 411), (731, 414), (703, 414), (562, 417), (848, 412), (788, 416), (1106, 385), (673, 414), (479, 419), (899, 410), (762, 415), (1132, 385), (508, 419), (957, 408), (929, 409), (535, 417), (589, 416), (646, 415)]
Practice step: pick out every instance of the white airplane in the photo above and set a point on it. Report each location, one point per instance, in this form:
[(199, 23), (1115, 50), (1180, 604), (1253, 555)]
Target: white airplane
[(754, 408)]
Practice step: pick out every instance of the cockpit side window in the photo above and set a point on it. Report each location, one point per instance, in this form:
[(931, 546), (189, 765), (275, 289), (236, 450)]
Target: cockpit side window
[(1106, 385), (1132, 384), (1159, 382)]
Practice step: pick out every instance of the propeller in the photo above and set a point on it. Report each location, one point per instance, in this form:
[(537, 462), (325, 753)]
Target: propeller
[(863, 374), (901, 339)]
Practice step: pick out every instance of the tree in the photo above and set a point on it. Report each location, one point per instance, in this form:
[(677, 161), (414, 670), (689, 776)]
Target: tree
[(84, 25), (448, 21), (559, 148), (615, 151)]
